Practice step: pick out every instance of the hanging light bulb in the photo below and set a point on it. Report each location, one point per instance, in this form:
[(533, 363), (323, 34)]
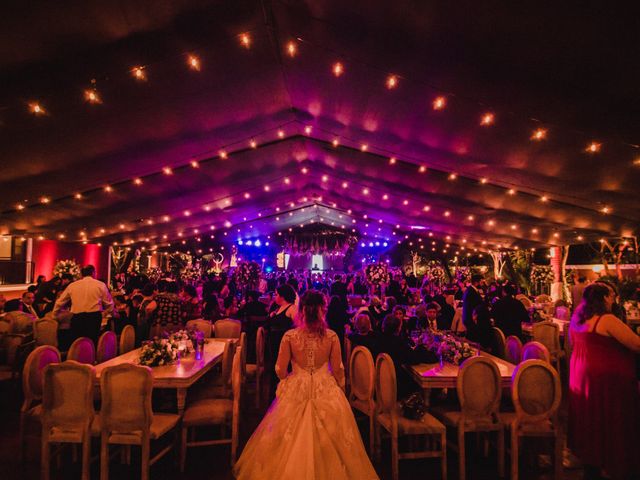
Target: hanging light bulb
[(487, 119), (245, 40), (193, 62), (139, 73), (292, 49), (539, 134), (439, 103), (337, 69), (391, 82), (36, 108), (92, 96)]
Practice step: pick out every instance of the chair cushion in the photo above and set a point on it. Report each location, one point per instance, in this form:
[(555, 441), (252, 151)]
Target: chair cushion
[(210, 411), (452, 418), (67, 434), (161, 424), (406, 426)]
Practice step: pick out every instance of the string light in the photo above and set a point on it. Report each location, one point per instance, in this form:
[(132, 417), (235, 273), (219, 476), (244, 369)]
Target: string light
[(452, 176), (606, 210), (245, 40), (593, 147), (337, 69), (36, 108), (167, 171), (194, 63), (511, 191), (267, 188), (345, 184), (422, 169), (447, 213), (307, 130), (335, 143), (439, 103), (92, 96), (487, 119), (287, 180), (78, 196), (20, 207), (539, 134), (253, 144), (426, 208), (280, 133), (137, 181), (364, 147), (45, 200), (223, 154), (483, 181), (139, 73), (392, 161), (365, 191), (392, 82), (544, 198), (292, 49)]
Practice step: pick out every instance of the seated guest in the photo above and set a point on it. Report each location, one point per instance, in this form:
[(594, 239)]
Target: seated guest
[(252, 306), (120, 315), (26, 304), (480, 328), (509, 313), (419, 321), (376, 313), (230, 307), (191, 307), (401, 353), (363, 335), (337, 316)]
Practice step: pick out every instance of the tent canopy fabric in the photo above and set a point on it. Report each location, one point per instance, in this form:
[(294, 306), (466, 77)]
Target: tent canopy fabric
[(264, 136)]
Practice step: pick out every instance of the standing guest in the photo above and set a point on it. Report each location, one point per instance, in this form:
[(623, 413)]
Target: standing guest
[(404, 293), (121, 314), (604, 415), (252, 306), (471, 300), (393, 290), (480, 331), (211, 310), (230, 305), (168, 310), (509, 313), (89, 298), (359, 287), (146, 313), (376, 313), (337, 317), (191, 306), (412, 281), (280, 321), (26, 304), (351, 287), (577, 291)]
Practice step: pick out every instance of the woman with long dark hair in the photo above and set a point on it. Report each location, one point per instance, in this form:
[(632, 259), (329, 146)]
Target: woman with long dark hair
[(604, 416), (309, 430)]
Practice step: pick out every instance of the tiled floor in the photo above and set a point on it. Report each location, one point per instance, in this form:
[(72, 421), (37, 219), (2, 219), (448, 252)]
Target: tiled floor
[(213, 462)]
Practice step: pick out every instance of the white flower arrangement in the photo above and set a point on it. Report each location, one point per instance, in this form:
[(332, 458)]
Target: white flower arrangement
[(66, 267), (377, 273)]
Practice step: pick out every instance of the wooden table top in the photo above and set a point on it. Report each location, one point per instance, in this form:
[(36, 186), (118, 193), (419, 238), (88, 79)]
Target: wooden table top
[(430, 375), (181, 374)]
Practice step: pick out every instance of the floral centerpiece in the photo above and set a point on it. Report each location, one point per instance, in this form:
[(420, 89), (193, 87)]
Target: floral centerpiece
[(191, 273), (247, 275), (377, 273), (435, 273), (170, 347), (448, 347), (542, 274), (66, 267)]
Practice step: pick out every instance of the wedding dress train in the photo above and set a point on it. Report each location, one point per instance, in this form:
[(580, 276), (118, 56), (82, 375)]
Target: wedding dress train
[(309, 432)]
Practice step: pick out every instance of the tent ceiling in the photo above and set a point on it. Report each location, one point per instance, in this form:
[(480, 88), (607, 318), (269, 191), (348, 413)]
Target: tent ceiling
[(480, 58)]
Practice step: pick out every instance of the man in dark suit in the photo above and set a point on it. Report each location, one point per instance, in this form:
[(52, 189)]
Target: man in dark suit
[(471, 300), (253, 307), (363, 335), (509, 313)]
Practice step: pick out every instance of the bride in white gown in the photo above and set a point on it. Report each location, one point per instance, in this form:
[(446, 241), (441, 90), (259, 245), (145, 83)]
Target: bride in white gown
[(309, 432)]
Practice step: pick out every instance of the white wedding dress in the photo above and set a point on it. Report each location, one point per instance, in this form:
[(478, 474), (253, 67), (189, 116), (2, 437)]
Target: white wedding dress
[(309, 432)]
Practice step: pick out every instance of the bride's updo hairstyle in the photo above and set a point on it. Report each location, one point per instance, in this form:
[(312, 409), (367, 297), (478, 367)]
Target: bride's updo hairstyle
[(312, 312)]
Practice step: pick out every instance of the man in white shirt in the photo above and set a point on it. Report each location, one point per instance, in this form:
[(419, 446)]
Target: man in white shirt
[(89, 298)]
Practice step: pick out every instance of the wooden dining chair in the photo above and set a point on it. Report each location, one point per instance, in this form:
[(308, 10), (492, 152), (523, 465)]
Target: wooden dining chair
[(255, 371), (82, 350), (363, 374), (67, 411), (548, 334), (107, 347), (513, 349), (479, 391), (536, 393), (346, 349), (498, 343), (217, 384), (543, 298), (215, 411), (389, 416), (127, 339), (45, 332), (126, 416), (525, 301), (535, 351), (201, 325), (227, 328), (32, 380)]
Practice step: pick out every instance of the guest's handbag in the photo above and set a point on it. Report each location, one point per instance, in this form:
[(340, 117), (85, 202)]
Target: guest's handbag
[(413, 406)]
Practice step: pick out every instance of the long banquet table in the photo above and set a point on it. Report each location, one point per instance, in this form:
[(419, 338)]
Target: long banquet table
[(431, 375), (181, 375)]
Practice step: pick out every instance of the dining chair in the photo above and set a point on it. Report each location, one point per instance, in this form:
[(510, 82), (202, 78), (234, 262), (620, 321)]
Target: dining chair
[(201, 325), (346, 349), (536, 394), (525, 301), (82, 350), (498, 343), (215, 411), (388, 415), (107, 347), (45, 332), (217, 384), (14, 349), (479, 391), (543, 298), (32, 376), (513, 349), (535, 351), (363, 374), (67, 411), (126, 416), (255, 371), (227, 328), (548, 333), (127, 339)]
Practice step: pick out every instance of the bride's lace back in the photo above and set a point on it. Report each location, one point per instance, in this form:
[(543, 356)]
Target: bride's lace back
[(310, 352)]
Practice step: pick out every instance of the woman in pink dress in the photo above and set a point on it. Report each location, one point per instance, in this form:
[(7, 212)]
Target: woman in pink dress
[(604, 402)]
